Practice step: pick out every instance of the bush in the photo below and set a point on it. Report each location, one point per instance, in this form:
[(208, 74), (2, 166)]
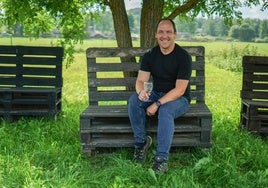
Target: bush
[(230, 59)]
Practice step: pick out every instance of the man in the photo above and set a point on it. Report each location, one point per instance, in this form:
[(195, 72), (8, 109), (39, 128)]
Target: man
[(170, 68)]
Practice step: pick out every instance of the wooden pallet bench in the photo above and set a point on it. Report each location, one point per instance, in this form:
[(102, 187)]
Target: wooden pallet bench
[(254, 95), (30, 81), (105, 123)]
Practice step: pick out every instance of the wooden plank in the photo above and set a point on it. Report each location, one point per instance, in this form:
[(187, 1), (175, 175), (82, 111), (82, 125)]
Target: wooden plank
[(109, 143), (255, 86), (42, 60), (111, 95), (262, 95), (111, 82), (128, 66), (129, 142), (251, 68), (8, 71), (7, 49), (39, 50), (37, 82), (255, 60), (105, 67), (7, 59), (251, 77), (125, 128), (40, 71), (255, 103), (118, 124), (134, 51), (129, 81), (121, 111), (31, 90)]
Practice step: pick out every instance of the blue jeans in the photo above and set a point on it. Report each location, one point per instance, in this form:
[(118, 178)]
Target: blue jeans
[(166, 115)]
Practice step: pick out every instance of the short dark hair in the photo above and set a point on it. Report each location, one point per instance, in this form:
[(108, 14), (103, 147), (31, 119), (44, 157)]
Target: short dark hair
[(167, 19)]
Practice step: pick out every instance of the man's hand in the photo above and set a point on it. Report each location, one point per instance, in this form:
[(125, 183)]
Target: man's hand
[(143, 96), (151, 110)]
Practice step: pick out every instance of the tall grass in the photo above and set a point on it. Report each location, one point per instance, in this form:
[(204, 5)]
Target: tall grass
[(40, 152), (230, 59)]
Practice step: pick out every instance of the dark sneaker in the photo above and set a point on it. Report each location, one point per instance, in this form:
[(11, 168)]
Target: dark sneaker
[(160, 165), (140, 153)]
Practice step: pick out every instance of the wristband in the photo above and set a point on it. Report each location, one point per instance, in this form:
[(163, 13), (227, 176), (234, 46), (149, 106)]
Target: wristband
[(158, 103)]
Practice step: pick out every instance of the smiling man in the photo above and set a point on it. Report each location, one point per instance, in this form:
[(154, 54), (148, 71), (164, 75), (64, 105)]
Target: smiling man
[(170, 68)]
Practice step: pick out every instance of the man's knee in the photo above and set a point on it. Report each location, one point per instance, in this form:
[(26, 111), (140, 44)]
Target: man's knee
[(165, 111), (132, 98)]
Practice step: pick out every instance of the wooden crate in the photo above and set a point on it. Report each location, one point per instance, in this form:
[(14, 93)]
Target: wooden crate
[(30, 81), (254, 94)]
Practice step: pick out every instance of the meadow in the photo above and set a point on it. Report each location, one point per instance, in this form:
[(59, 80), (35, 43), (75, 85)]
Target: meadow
[(40, 152)]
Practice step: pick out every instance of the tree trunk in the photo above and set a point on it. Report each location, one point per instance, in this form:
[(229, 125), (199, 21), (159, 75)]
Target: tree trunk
[(122, 31), (151, 12), (121, 25)]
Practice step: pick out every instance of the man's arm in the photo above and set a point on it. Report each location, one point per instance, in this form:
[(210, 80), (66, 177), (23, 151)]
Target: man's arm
[(177, 92), (142, 77), (172, 95)]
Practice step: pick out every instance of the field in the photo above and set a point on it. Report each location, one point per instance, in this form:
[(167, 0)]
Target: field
[(45, 153)]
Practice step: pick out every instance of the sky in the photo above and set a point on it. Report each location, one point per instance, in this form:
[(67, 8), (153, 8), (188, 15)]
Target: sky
[(254, 12)]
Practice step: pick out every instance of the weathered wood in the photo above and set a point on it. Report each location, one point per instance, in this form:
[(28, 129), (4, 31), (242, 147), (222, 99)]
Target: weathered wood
[(135, 51), (121, 111), (30, 81), (254, 94), (105, 122)]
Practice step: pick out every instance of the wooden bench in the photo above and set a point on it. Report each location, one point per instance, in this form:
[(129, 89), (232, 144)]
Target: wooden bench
[(30, 81), (105, 123), (254, 94)]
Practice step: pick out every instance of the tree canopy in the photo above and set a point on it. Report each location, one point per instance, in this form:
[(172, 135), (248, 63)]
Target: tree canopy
[(69, 16)]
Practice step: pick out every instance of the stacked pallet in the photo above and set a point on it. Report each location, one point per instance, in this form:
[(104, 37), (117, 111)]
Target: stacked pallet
[(254, 94), (30, 81), (112, 74)]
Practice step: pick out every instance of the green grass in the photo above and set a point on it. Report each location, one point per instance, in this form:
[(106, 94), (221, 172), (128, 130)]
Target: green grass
[(40, 152)]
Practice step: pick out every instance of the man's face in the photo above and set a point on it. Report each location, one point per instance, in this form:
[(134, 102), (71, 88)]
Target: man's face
[(165, 35)]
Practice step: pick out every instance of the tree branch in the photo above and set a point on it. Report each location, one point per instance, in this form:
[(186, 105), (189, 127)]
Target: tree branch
[(184, 8)]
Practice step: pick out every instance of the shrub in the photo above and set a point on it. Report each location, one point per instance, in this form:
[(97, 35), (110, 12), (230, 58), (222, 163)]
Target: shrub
[(230, 59)]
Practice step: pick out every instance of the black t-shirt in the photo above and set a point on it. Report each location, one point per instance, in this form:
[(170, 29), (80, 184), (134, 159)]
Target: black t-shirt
[(166, 69)]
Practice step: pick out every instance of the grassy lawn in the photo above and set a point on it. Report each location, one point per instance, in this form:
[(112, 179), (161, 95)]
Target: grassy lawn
[(40, 152)]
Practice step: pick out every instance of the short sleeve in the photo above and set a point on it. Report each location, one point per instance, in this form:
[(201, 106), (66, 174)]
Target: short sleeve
[(145, 62), (185, 69)]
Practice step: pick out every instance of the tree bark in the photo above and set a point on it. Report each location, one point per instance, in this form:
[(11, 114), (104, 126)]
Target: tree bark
[(121, 25), (151, 12), (122, 31)]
